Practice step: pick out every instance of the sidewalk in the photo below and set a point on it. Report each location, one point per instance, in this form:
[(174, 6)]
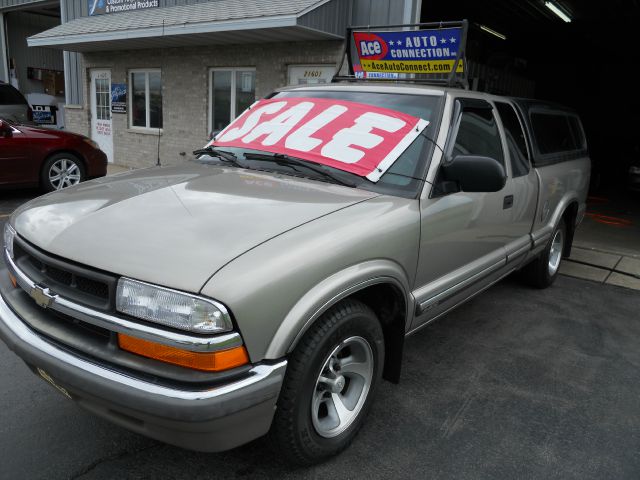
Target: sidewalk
[(606, 247), (112, 169), (603, 267)]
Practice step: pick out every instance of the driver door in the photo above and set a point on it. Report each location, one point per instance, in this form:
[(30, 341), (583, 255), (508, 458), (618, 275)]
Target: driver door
[(463, 234)]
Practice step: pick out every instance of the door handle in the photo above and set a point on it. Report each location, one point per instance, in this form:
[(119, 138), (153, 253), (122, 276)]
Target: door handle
[(508, 202)]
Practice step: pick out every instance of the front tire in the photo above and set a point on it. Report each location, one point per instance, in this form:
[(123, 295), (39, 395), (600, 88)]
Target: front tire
[(330, 383), (60, 171), (542, 271)]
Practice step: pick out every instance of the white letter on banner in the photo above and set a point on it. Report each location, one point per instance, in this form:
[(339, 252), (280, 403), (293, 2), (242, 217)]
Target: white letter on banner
[(278, 127), (251, 121), (339, 148), (302, 140)]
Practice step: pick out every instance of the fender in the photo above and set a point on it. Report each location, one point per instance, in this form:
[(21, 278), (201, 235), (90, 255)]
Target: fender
[(541, 236), (330, 291)]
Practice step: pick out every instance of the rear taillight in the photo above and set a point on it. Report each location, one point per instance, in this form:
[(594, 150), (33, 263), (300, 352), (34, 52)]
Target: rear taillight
[(30, 114)]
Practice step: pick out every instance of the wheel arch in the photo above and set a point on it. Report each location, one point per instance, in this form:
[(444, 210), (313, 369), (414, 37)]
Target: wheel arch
[(569, 215), (381, 285)]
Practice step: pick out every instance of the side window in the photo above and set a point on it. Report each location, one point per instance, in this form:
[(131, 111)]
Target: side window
[(578, 132), (516, 140), (552, 132), (478, 134)]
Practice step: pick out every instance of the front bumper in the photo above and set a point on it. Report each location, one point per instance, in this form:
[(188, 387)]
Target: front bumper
[(214, 419), (96, 162)]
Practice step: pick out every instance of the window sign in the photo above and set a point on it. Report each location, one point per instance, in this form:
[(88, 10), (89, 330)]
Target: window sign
[(119, 97), (409, 51), (246, 82), (99, 7), (43, 114)]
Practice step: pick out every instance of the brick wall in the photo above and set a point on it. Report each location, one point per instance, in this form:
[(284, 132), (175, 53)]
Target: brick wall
[(76, 120), (185, 88)]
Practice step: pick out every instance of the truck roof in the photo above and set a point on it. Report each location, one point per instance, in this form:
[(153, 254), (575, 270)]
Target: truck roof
[(425, 89)]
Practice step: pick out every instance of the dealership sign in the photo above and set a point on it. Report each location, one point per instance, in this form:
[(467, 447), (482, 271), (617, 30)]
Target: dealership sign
[(414, 51), (119, 98), (98, 7), (354, 137)]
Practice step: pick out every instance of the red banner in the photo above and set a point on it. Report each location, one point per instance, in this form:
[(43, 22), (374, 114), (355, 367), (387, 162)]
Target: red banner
[(349, 136)]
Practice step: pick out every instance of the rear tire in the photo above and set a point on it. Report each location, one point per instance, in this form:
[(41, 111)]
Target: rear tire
[(60, 171), (329, 386), (542, 271)]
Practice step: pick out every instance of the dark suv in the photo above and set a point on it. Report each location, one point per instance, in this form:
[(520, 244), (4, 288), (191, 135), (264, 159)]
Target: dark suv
[(13, 105)]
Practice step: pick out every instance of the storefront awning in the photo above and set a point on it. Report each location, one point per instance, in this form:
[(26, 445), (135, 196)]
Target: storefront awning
[(219, 22)]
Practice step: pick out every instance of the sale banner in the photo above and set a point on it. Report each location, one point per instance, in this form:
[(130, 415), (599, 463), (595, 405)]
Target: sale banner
[(354, 137)]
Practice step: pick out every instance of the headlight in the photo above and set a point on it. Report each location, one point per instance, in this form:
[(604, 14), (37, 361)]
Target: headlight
[(9, 235), (171, 308), (634, 170)]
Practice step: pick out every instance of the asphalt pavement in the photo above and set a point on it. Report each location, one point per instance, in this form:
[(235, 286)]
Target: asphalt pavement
[(517, 383)]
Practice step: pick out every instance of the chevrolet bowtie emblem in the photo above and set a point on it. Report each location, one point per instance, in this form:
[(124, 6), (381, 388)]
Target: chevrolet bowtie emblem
[(42, 296)]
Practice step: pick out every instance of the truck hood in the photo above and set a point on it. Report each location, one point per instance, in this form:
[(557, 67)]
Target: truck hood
[(175, 226)]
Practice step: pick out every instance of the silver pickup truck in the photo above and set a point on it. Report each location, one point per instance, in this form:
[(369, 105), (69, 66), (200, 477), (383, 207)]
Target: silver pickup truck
[(254, 291)]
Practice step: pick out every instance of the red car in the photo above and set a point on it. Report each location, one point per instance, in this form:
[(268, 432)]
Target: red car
[(51, 159)]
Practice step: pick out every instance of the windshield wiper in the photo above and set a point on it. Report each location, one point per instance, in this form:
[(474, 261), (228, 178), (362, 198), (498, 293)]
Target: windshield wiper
[(221, 154), (293, 162)]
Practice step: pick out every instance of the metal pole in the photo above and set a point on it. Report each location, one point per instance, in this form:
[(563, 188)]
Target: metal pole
[(4, 64)]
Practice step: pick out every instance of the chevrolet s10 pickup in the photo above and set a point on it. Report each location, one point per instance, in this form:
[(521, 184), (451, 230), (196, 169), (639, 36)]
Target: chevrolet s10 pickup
[(267, 287)]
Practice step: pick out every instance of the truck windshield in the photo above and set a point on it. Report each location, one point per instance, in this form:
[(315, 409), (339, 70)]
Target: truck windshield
[(406, 176)]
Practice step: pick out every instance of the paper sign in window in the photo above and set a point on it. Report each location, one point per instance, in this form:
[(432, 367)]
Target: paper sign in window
[(354, 137)]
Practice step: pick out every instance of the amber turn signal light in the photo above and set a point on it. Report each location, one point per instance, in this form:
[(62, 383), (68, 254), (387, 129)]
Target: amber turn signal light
[(208, 361)]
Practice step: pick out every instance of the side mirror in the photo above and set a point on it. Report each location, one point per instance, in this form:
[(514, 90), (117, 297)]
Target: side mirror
[(475, 173), (213, 134), (5, 129)]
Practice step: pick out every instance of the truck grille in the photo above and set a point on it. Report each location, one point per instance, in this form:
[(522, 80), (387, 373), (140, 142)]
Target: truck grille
[(97, 343), (75, 282)]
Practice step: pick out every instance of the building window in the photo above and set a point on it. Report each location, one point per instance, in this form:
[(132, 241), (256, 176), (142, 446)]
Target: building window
[(231, 91), (103, 98), (145, 104)]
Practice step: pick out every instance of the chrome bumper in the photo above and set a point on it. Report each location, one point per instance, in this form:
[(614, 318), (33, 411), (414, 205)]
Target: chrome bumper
[(213, 419), (23, 333), (194, 417)]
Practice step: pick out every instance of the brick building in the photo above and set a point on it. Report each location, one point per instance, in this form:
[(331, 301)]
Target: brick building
[(149, 76)]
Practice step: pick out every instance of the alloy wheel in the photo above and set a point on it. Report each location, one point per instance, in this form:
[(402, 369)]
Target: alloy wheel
[(555, 253), (342, 387), (64, 173)]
